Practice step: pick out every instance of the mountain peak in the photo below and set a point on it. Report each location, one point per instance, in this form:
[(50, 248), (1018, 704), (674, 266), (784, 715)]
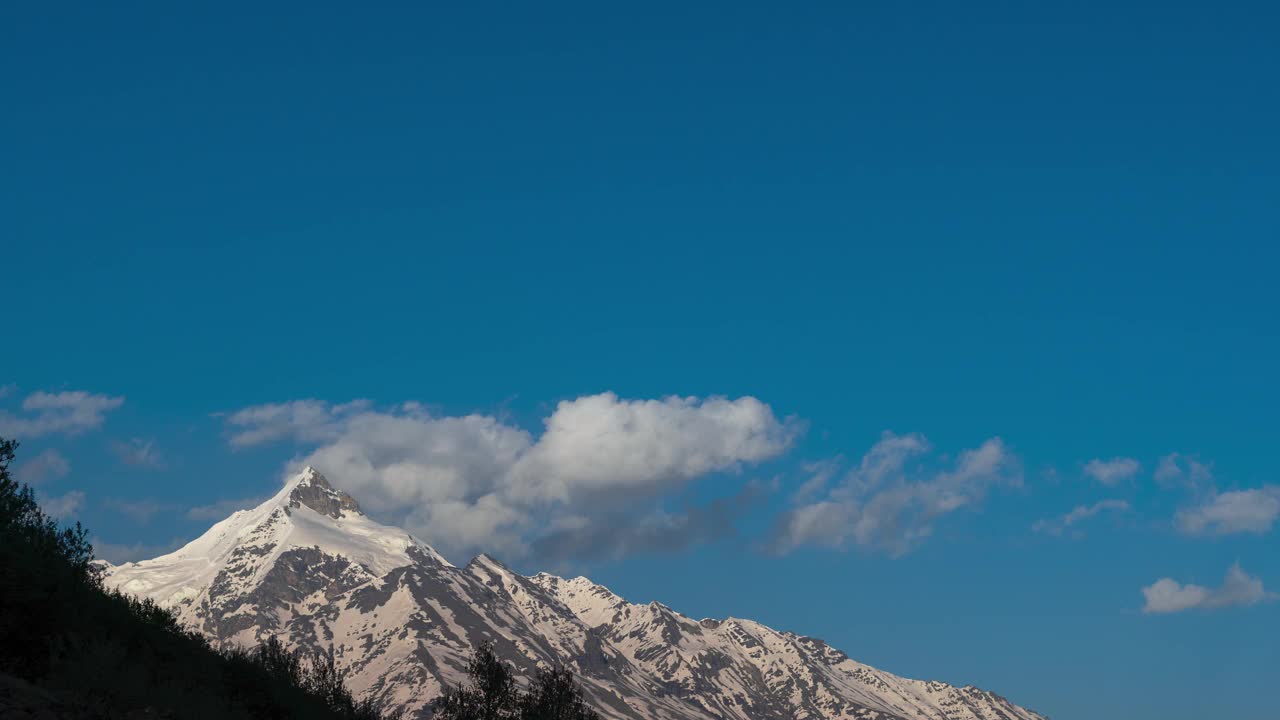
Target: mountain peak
[(311, 489), (490, 563), (310, 476)]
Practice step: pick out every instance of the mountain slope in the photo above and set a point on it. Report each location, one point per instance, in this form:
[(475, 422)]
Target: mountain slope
[(309, 567)]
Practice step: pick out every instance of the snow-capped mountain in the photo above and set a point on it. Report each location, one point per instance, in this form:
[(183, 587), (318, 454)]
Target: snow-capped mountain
[(310, 568)]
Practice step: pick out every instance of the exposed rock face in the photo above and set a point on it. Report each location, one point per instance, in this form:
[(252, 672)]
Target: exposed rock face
[(309, 567), (314, 491)]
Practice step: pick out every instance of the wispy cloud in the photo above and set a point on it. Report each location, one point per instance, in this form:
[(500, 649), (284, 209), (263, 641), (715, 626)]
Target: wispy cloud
[(887, 504), (1238, 511), (821, 473), (141, 511), (223, 508), (69, 412), (46, 465), (62, 506), (1060, 525), (302, 420), (139, 453), (121, 553), (1113, 471), (1238, 588)]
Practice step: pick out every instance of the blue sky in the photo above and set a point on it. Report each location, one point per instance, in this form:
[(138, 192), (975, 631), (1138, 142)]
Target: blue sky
[(1054, 227)]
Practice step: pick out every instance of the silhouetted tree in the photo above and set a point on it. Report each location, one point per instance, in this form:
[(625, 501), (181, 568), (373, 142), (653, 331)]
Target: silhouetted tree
[(554, 695), (41, 568), (320, 676), (278, 660), (492, 694), (22, 520)]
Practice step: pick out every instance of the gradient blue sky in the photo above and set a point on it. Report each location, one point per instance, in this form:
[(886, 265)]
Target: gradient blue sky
[(1052, 225)]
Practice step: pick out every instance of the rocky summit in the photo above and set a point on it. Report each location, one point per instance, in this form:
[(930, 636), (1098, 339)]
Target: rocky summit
[(308, 567)]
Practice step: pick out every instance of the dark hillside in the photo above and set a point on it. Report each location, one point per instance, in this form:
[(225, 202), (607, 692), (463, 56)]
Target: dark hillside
[(68, 649)]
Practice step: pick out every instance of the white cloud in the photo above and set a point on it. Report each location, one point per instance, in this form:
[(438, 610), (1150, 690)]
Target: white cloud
[(47, 465), (69, 412), (1238, 588), (1058, 526), (1113, 471), (884, 504), (600, 444), (476, 482), (139, 453), (62, 506), (1238, 511), (448, 479)]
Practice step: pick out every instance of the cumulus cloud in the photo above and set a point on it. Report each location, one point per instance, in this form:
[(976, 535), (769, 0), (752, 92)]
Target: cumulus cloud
[(1177, 469), (600, 444), (1058, 526), (1238, 511), (890, 501), (602, 465), (1113, 471), (62, 506), (69, 412), (139, 453), (47, 465), (1238, 588)]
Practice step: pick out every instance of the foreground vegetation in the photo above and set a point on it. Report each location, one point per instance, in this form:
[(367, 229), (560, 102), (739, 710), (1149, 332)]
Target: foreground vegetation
[(74, 650), (492, 694)]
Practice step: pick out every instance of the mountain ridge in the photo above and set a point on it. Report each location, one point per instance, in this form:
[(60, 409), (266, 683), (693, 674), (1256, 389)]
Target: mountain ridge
[(308, 566)]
